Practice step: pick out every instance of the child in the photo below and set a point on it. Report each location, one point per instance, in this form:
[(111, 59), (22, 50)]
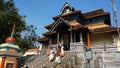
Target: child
[(52, 54)]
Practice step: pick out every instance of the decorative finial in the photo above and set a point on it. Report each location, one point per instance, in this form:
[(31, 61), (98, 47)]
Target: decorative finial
[(13, 30)]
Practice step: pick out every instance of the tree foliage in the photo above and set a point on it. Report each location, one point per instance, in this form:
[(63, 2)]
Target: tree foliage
[(8, 16), (29, 37)]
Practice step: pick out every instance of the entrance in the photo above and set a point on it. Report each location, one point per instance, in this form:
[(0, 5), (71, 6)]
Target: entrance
[(66, 42), (9, 65)]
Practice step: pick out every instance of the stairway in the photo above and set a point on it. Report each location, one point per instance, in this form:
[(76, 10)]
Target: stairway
[(73, 58), (38, 61), (106, 55)]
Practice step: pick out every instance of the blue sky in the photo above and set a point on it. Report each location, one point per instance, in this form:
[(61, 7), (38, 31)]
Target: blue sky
[(40, 12)]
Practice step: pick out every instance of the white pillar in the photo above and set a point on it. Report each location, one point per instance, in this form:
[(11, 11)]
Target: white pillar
[(113, 37), (50, 40), (81, 39), (71, 40), (104, 66), (74, 37), (58, 37)]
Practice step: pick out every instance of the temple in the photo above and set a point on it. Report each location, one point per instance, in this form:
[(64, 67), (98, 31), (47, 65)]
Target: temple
[(89, 40), (9, 53), (74, 27)]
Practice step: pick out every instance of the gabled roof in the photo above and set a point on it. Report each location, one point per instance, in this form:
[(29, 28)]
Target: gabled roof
[(59, 21), (66, 6), (61, 15)]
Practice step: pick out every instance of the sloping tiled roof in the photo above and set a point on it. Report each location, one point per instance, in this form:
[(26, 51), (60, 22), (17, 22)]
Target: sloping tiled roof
[(103, 30), (43, 39), (49, 33), (95, 13), (66, 14), (50, 25), (74, 23), (77, 27), (96, 25), (100, 28)]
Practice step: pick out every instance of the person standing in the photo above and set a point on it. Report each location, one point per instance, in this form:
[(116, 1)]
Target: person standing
[(52, 55), (57, 54), (61, 51)]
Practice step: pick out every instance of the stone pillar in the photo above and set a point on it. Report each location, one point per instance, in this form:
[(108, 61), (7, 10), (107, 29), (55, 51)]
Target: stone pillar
[(2, 62), (50, 41), (81, 39), (71, 40), (58, 38)]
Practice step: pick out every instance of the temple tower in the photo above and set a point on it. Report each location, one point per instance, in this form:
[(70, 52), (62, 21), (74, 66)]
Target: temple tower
[(9, 53)]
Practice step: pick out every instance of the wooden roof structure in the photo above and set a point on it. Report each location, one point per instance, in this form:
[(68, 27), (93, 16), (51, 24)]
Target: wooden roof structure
[(92, 28), (87, 15), (100, 28), (43, 39)]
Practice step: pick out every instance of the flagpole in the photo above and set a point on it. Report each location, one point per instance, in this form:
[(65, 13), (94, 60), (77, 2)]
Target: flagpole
[(115, 17), (13, 30)]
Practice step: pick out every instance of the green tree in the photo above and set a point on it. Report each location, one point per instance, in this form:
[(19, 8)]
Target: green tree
[(25, 35), (29, 38), (8, 15)]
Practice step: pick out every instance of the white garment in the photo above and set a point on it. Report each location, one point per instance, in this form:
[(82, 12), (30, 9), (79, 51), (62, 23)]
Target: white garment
[(62, 51), (51, 56), (57, 59)]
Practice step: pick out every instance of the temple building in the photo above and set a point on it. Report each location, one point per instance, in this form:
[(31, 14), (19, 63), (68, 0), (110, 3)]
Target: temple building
[(9, 53), (89, 40), (72, 27)]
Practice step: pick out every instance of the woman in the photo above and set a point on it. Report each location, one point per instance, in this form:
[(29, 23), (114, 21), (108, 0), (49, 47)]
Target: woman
[(58, 54)]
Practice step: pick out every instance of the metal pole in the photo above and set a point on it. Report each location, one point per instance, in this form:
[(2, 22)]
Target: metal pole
[(103, 60), (115, 17), (88, 64), (104, 65)]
